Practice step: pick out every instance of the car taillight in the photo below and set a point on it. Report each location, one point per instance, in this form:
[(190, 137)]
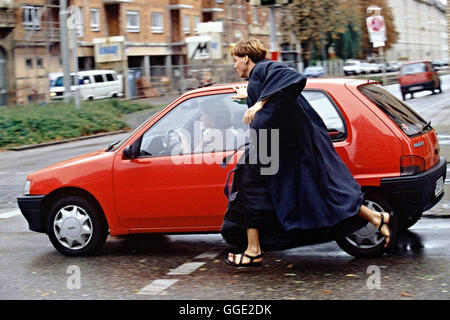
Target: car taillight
[(410, 165)]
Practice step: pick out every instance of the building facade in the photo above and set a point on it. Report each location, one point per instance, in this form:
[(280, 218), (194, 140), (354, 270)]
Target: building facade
[(422, 27), (145, 35)]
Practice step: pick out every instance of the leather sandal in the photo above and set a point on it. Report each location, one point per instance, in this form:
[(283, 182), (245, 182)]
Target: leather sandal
[(240, 264)]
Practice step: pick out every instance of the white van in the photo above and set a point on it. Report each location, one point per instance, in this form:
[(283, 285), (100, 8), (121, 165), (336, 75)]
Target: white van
[(93, 84), (352, 67)]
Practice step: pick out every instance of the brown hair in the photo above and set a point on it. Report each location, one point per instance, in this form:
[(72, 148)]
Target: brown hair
[(253, 48)]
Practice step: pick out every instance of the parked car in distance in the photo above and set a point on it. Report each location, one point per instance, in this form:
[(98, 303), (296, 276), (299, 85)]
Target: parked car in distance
[(314, 72), (418, 76), (392, 66), (366, 68), (92, 84), (352, 67), (146, 183)]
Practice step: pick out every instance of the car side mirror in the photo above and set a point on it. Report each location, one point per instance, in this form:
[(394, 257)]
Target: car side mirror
[(132, 151)]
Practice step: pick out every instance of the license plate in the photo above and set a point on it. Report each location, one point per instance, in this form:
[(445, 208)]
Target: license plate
[(416, 88), (439, 186)]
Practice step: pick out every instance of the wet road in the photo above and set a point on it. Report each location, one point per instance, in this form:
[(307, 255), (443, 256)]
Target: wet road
[(191, 267)]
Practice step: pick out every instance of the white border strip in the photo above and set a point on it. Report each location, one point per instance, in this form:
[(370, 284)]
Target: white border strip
[(157, 286), (186, 268)]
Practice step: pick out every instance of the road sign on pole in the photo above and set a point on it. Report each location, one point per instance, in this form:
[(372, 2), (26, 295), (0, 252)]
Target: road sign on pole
[(377, 30)]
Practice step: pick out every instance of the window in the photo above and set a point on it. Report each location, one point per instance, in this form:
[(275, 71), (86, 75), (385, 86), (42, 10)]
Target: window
[(98, 78), (31, 17), (95, 19), (39, 63), (133, 21), (186, 24), (196, 22), (406, 118), (198, 125), (110, 77), (255, 15), (86, 80), (157, 22), (330, 115), (29, 63)]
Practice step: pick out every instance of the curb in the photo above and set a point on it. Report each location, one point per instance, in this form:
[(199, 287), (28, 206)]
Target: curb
[(45, 144)]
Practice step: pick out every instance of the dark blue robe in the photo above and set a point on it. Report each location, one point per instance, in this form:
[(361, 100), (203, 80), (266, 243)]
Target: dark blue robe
[(313, 197)]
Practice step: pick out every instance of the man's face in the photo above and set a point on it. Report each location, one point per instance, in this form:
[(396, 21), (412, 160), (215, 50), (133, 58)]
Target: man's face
[(241, 66)]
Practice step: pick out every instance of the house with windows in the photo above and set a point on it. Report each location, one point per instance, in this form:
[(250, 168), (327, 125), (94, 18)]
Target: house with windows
[(149, 36)]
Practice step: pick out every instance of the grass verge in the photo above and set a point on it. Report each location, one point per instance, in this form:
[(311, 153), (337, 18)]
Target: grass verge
[(34, 124)]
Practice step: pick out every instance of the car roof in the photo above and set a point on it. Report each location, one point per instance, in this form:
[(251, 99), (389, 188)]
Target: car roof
[(311, 83)]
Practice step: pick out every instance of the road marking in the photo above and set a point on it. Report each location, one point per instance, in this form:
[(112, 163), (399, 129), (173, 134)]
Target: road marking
[(157, 286), (210, 254), (186, 268), (10, 214)]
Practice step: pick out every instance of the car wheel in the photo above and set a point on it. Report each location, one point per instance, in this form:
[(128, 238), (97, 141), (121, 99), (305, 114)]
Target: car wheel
[(76, 227), (367, 242)]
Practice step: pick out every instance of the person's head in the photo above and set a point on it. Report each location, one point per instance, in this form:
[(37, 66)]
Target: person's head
[(215, 118), (246, 53)]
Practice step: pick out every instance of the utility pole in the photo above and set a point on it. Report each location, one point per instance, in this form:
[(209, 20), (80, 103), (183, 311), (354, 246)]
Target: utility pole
[(273, 35), (64, 49)]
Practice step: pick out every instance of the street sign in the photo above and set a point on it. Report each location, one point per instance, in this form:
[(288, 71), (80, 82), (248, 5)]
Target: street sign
[(198, 47), (377, 30)]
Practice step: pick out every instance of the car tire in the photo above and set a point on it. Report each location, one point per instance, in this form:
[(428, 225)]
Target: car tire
[(76, 227), (367, 242)]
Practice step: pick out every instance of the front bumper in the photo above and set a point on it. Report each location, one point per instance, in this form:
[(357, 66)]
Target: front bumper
[(31, 206), (412, 195)]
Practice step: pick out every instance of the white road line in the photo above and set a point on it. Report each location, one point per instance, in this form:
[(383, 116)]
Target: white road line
[(157, 286), (210, 254), (10, 214), (186, 268)]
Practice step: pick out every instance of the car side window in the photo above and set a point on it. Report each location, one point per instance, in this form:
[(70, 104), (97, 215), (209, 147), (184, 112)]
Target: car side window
[(329, 113), (202, 124), (98, 78), (109, 77)]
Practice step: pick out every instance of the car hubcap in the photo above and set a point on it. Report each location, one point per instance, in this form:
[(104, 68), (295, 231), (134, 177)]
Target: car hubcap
[(73, 227), (368, 236)]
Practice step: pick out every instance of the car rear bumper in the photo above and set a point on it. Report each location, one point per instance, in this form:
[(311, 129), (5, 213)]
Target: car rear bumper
[(30, 206), (412, 195), (418, 87)]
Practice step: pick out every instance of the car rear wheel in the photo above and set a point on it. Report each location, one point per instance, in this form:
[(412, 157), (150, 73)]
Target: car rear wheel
[(368, 242), (76, 227)]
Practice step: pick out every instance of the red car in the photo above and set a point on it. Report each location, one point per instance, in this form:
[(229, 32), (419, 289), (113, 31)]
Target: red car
[(141, 185), (418, 76)]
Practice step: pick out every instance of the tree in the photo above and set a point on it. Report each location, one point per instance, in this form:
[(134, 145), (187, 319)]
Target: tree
[(317, 24)]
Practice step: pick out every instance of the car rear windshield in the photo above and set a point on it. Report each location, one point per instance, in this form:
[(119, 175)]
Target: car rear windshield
[(413, 68), (407, 119)]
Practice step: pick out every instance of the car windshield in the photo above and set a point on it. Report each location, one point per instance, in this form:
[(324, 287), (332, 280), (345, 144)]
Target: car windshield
[(407, 119), (350, 64), (60, 81), (413, 68)]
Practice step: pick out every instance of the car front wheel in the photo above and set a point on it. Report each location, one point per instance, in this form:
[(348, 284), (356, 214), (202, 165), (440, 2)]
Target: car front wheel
[(368, 242), (76, 227)]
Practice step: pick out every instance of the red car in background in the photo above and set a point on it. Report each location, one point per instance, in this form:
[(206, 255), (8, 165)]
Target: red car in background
[(139, 185), (418, 76)]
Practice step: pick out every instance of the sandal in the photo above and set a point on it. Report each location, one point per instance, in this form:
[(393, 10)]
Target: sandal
[(240, 264), (382, 223)]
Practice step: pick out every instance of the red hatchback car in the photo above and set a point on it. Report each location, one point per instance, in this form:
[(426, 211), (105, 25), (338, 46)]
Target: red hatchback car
[(140, 185), (418, 76)]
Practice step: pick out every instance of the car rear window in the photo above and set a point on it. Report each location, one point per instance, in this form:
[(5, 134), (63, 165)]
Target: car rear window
[(413, 68), (404, 117)]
